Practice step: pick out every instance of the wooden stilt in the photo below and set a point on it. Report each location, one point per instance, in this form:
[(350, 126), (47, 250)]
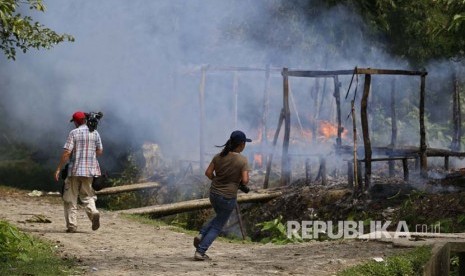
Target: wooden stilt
[(285, 168), (365, 130)]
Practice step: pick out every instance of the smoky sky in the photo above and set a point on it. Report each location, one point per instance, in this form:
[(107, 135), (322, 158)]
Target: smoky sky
[(138, 62)]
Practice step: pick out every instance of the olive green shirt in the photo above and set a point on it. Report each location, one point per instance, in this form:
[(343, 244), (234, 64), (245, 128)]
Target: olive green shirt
[(228, 174)]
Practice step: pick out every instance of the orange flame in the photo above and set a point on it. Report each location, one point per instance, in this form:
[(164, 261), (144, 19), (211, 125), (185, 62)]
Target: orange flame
[(328, 130), (258, 160)]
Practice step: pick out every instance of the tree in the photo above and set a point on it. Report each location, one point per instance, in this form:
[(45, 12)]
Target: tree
[(21, 32), (420, 31)]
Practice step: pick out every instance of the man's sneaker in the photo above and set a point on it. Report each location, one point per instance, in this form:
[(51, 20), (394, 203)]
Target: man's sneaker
[(201, 257), (197, 241), (95, 221)]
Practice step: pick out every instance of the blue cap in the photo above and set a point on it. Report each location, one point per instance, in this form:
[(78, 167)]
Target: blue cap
[(239, 136)]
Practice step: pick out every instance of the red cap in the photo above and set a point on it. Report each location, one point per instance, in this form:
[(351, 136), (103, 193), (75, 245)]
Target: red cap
[(78, 116)]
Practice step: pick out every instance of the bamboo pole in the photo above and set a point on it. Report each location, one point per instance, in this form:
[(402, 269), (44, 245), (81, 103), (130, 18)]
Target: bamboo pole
[(365, 130)]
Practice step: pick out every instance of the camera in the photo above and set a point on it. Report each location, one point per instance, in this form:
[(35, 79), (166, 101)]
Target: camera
[(244, 188), (92, 119)]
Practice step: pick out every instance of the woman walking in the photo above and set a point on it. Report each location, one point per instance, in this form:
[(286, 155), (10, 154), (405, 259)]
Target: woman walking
[(227, 170)]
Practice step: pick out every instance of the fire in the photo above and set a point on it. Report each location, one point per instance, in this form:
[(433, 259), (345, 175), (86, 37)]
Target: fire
[(328, 130), (258, 160)]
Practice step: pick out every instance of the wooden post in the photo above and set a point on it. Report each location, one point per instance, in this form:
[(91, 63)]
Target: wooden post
[(405, 167), (323, 170), (393, 125), (308, 176), (365, 130), (202, 117), (270, 156), (423, 157), (456, 116), (446, 162), (337, 96), (359, 177), (350, 174), (285, 168), (354, 129)]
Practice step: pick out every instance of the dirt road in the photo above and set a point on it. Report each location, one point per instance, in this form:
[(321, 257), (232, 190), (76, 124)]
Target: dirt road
[(125, 247)]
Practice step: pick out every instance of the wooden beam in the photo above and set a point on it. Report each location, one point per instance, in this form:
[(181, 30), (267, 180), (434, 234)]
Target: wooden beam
[(128, 188), (390, 72), (198, 204), (360, 71), (317, 74)]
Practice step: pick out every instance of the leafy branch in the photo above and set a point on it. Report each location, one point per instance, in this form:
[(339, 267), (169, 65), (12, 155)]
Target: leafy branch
[(22, 32)]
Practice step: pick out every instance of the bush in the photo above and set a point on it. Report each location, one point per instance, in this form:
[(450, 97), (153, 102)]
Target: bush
[(407, 264), (26, 174), (21, 254)]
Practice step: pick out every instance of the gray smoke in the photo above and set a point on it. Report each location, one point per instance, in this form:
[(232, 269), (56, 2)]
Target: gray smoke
[(138, 62)]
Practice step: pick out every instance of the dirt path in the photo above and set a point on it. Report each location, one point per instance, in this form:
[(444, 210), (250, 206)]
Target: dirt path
[(125, 247)]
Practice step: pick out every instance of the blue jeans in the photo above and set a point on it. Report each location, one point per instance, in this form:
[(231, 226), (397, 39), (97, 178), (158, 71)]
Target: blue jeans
[(223, 208)]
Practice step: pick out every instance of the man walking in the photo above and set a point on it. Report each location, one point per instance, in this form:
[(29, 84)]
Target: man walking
[(81, 150)]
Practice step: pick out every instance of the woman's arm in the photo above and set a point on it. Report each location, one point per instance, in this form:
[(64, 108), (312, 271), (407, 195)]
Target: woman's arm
[(209, 171), (245, 177)]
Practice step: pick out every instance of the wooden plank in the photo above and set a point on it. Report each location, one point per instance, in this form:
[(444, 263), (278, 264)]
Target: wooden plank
[(198, 204), (128, 188)]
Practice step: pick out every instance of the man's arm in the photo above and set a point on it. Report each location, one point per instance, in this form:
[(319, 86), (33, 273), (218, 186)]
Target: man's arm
[(63, 160), (99, 152)]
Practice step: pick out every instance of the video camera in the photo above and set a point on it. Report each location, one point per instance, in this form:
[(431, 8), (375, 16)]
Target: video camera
[(244, 188), (92, 119)]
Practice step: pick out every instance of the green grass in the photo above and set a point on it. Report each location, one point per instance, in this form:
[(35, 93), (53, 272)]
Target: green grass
[(22, 254), (406, 264)]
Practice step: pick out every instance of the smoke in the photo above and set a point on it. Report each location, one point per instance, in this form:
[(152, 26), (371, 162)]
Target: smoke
[(138, 62)]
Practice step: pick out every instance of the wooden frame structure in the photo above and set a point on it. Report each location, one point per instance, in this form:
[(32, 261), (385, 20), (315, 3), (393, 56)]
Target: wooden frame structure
[(208, 68), (368, 72)]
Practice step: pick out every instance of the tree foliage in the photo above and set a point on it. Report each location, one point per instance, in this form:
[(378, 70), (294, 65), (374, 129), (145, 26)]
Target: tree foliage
[(420, 30), (22, 32)]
